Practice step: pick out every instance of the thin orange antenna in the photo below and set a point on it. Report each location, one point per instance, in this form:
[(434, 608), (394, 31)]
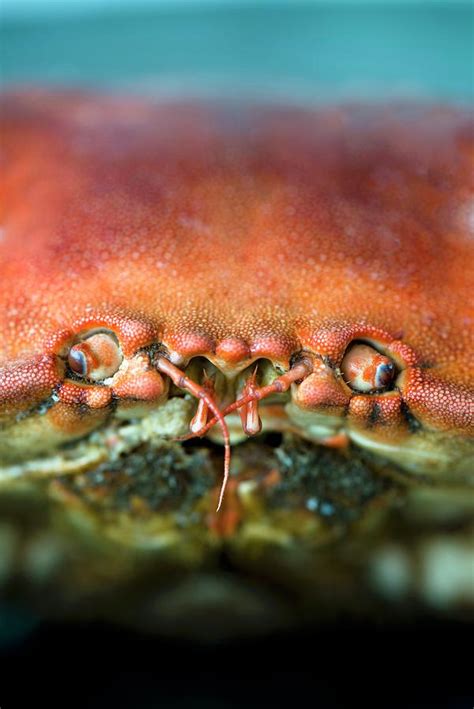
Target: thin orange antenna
[(183, 382), (298, 371)]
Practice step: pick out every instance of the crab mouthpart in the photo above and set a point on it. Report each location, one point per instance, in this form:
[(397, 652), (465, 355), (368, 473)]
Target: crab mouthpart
[(247, 404)]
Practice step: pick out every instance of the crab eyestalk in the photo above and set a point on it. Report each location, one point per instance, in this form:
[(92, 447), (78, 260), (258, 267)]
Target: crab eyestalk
[(367, 370), (96, 357)]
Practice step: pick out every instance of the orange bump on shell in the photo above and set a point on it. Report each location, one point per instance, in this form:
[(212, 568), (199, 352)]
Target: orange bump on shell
[(233, 350), (76, 393), (143, 386), (320, 390), (139, 381), (275, 348), (189, 344)]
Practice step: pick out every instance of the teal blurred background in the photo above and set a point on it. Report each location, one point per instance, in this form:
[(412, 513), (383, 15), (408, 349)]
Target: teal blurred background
[(302, 49)]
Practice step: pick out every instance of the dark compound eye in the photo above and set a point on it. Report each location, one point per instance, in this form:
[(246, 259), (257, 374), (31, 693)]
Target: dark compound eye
[(384, 375), (97, 357), (77, 360), (364, 369)]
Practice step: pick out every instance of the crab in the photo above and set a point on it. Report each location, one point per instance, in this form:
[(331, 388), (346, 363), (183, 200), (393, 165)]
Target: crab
[(186, 270)]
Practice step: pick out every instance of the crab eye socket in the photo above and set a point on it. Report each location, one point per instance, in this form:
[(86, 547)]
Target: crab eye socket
[(95, 358), (364, 369)]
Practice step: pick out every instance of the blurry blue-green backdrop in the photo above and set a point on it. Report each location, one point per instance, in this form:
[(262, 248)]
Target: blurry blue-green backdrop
[(300, 48)]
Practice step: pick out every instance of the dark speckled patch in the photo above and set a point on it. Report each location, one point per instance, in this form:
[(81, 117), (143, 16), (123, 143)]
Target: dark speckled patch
[(163, 477), (330, 484), (413, 424)]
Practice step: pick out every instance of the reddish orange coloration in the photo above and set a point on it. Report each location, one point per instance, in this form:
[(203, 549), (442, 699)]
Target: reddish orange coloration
[(366, 370), (238, 234), (96, 358)]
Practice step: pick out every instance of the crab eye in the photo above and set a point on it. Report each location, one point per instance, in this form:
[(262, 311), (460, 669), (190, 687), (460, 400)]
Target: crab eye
[(77, 360), (97, 357), (364, 369)]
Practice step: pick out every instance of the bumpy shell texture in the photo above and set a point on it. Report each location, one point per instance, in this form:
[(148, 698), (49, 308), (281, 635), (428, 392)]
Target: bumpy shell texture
[(238, 233)]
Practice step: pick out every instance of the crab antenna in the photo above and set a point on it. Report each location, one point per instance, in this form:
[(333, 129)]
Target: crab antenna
[(298, 371), (183, 382)]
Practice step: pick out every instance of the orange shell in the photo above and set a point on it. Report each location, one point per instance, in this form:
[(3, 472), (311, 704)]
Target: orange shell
[(237, 233)]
